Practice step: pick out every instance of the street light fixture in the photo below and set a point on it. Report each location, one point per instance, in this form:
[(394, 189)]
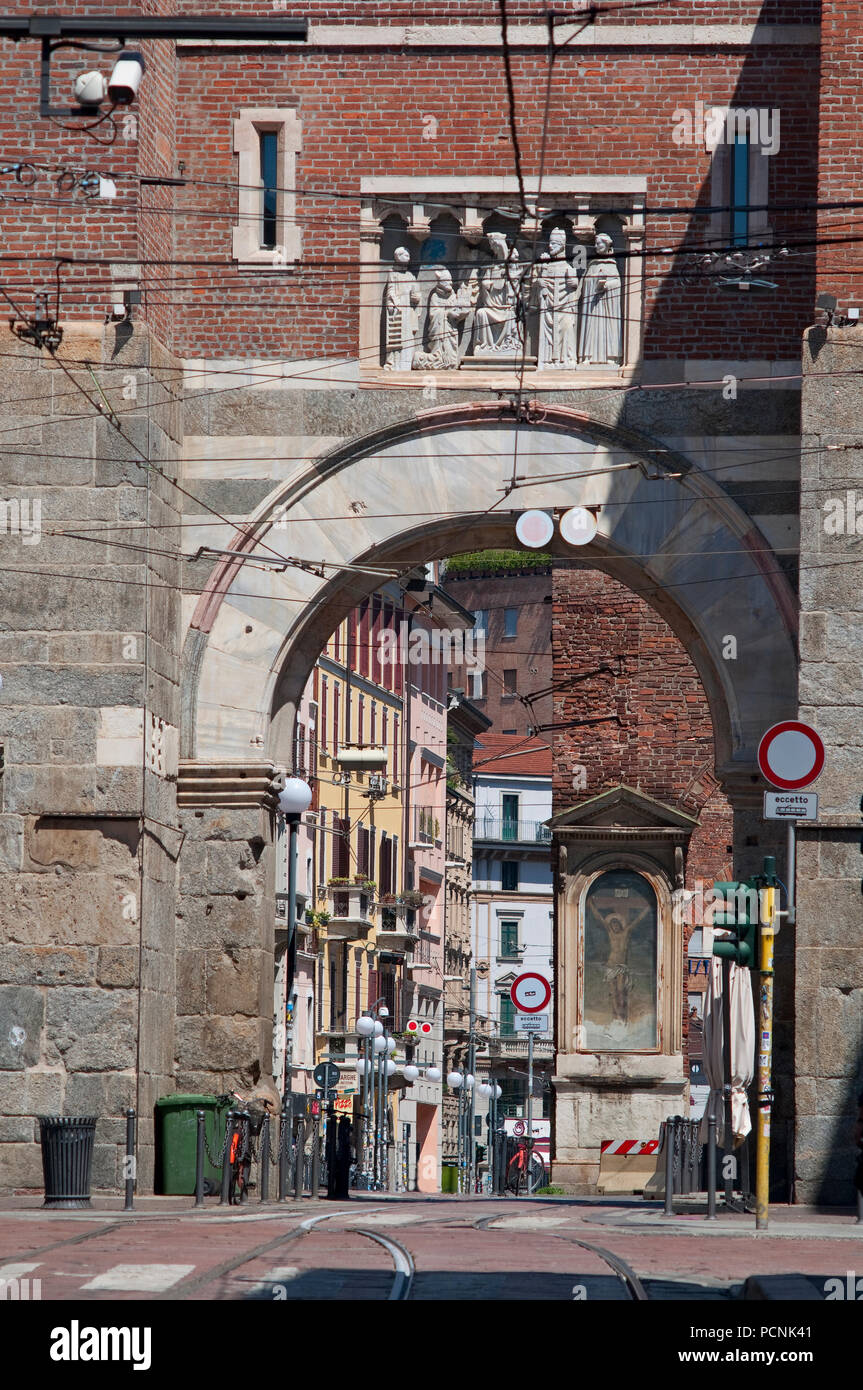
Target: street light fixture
[(294, 799)]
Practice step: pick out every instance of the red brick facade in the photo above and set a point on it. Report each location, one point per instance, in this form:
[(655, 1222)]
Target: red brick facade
[(617, 661), (363, 112)]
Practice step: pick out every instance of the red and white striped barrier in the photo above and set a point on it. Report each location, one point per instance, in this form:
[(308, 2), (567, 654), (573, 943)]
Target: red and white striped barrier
[(631, 1147)]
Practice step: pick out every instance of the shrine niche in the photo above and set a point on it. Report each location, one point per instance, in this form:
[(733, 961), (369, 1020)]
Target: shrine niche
[(619, 998), (452, 286), (619, 954)]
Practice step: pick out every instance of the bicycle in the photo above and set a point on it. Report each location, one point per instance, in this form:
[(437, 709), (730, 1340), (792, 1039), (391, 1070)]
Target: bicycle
[(239, 1159), (240, 1150), (522, 1171)]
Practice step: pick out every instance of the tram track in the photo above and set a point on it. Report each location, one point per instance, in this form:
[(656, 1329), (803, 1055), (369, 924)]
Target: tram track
[(625, 1272), (404, 1267)]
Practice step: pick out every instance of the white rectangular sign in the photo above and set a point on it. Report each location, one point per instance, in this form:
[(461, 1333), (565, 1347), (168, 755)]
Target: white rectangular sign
[(790, 805), (531, 1023)]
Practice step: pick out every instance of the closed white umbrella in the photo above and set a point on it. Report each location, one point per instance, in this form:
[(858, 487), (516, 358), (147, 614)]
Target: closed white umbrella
[(742, 1051)]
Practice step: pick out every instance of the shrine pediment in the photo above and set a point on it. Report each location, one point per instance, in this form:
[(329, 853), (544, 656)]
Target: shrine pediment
[(625, 811)]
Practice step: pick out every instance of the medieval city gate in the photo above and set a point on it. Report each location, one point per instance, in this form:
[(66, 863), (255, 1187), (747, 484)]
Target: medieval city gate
[(394, 499)]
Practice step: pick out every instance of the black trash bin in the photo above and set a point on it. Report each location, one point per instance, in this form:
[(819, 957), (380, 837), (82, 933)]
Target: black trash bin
[(67, 1156)]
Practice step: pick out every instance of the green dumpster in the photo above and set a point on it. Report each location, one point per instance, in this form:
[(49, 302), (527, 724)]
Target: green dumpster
[(176, 1139), (449, 1178)]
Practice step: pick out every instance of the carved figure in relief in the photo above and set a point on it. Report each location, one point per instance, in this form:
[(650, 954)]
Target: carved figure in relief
[(401, 301), (497, 327), (599, 333), (558, 289), (447, 310)]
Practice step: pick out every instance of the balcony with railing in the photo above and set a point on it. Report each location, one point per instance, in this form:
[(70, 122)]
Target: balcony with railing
[(397, 927), (516, 1046), (501, 830), (350, 912)]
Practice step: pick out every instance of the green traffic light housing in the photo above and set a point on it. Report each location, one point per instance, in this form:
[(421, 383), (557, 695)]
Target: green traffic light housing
[(736, 910)]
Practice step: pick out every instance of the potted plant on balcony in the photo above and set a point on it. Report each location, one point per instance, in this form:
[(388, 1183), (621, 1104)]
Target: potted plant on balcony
[(338, 882), (411, 897)]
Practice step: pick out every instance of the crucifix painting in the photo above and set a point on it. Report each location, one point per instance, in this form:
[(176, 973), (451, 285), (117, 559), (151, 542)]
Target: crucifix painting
[(620, 964)]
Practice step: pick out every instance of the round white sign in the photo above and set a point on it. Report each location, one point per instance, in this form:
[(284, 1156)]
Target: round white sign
[(534, 529), (530, 993), (578, 526), (791, 755)]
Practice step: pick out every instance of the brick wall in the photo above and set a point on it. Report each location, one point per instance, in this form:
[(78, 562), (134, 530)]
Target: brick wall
[(362, 113), (528, 653)]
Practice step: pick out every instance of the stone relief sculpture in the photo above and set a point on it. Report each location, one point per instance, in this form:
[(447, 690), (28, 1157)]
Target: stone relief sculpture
[(552, 313), (599, 335), (401, 302), (447, 310), (498, 327), (558, 289)]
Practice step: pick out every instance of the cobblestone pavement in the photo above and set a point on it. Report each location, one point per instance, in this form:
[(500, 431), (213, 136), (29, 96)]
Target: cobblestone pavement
[(322, 1250)]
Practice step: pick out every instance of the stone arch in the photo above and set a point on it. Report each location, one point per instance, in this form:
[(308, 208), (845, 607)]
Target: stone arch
[(438, 484)]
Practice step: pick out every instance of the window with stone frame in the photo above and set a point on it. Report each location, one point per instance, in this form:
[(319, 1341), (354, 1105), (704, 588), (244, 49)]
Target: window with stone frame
[(266, 234)]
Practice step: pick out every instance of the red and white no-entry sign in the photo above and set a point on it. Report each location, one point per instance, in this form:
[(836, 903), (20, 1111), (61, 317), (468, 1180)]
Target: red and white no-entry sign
[(791, 755), (530, 993)]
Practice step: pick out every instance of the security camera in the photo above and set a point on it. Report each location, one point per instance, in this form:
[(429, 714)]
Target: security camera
[(125, 78), (90, 88)]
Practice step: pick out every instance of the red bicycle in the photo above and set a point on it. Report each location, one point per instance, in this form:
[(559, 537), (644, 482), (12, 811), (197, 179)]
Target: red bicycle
[(525, 1170)]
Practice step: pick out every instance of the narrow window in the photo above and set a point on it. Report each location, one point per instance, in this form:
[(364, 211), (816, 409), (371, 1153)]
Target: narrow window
[(510, 684), (509, 938), (510, 622), (740, 191), (269, 144), (507, 1016), (509, 875)]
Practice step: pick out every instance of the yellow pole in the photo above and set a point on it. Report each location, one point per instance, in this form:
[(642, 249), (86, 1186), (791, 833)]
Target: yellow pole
[(769, 922)]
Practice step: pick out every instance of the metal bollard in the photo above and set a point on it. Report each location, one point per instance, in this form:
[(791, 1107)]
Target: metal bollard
[(283, 1155), (669, 1167), (711, 1168), (264, 1165), (129, 1164), (230, 1122), (298, 1164), (199, 1158)]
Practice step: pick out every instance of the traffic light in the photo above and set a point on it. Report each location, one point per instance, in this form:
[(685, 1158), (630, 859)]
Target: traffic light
[(736, 909)]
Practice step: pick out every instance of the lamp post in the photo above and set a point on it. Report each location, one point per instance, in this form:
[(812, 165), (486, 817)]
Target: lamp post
[(454, 1081), (379, 1067), (294, 798), (366, 1028)]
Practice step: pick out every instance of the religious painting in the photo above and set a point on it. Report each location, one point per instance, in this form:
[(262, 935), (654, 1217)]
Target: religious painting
[(619, 1007)]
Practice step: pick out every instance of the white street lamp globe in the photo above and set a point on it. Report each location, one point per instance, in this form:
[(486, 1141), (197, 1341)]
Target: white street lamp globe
[(361, 1067), (391, 1045), (484, 1089), (391, 1067), (411, 1073), (497, 1092), (380, 1044), (432, 1073), (384, 1011), (365, 1026), (295, 797), (468, 1081), (379, 1028), (454, 1080)]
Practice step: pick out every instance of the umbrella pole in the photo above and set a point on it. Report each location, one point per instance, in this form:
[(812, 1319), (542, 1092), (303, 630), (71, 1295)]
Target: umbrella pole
[(727, 1137)]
